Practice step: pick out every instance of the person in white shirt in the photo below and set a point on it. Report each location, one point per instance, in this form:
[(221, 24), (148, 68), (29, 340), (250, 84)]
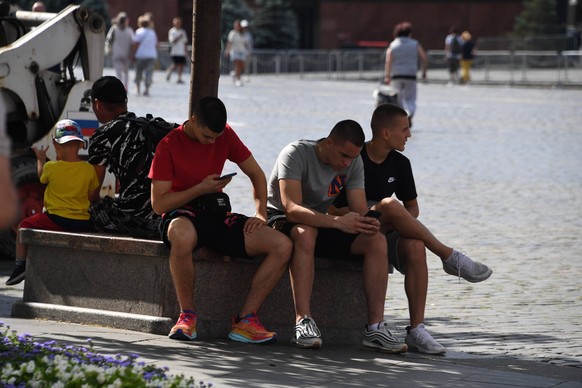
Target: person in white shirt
[(178, 40), (145, 46), (118, 44), (237, 49)]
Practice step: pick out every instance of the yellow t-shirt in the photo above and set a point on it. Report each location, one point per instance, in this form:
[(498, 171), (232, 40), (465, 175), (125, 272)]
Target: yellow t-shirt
[(68, 187)]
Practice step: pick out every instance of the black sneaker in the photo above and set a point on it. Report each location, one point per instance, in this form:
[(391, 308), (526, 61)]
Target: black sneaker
[(18, 273)]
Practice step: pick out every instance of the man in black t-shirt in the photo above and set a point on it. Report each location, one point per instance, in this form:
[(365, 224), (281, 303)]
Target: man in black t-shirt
[(120, 147), (388, 172)]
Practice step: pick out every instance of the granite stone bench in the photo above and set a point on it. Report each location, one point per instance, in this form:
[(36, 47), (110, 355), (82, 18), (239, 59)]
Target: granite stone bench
[(126, 283)]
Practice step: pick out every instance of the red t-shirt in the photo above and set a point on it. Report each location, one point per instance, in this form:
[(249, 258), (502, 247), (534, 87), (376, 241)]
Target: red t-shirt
[(186, 162)]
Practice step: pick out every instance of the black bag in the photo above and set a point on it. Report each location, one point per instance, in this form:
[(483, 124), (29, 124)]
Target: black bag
[(154, 129), (214, 204)]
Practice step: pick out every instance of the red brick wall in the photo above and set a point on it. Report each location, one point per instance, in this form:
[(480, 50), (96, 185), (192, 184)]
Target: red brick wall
[(347, 22)]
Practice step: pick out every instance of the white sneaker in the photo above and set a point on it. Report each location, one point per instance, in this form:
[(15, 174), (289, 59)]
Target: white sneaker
[(382, 340), (459, 264), (419, 340), (307, 334)]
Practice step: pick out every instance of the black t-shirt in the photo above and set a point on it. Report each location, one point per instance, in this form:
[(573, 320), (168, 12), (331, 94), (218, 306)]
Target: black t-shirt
[(392, 176)]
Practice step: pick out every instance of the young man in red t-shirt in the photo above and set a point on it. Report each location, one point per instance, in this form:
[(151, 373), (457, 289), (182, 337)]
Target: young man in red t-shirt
[(187, 190)]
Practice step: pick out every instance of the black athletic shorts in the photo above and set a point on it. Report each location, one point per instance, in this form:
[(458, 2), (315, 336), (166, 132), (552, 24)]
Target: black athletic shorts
[(331, 243), (179, 60), (224, 235)]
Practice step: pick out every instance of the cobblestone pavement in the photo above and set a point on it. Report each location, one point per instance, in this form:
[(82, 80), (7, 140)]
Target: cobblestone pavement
[(498, 176)]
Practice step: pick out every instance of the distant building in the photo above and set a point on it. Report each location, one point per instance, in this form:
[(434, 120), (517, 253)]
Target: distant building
[(331, 24)]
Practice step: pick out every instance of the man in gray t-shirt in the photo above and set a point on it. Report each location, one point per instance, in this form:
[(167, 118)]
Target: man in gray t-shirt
[(307, 177), (320, 183)]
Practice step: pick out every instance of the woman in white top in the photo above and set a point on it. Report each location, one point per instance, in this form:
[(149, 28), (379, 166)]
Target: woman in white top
[(145, 45), (118, 44), (237, 48)]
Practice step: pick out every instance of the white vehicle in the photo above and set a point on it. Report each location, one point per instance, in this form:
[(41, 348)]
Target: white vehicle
[(47, 61)]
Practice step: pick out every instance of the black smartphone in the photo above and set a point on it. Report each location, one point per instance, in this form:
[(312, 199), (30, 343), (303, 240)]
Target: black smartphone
[(227, 175), (373, 213)]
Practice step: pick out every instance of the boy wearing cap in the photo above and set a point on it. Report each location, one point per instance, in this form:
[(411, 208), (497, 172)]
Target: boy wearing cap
[(187, 190), (120, 146), (66, 200)]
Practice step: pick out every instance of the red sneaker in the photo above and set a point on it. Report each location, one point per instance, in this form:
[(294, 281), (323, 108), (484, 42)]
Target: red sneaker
[(248, 329), (185, 328)]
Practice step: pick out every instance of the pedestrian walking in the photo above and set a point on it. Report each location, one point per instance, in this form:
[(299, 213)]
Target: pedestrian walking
[(453, 54), (118, 44), (468, 52), (401, 67), (178, 40), (145, 46), (237, 49)]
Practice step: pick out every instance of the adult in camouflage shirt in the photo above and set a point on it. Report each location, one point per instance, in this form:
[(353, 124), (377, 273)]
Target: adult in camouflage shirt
[(120, 146)]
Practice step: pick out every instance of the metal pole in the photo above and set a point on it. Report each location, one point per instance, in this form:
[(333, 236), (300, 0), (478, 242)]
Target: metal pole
[(205, 67)]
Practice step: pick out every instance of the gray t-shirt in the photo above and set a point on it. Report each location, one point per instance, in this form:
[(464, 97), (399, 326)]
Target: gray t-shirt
[(320, 183)]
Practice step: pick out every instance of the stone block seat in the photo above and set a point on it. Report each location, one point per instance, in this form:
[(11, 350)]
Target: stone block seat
[(126, 283)]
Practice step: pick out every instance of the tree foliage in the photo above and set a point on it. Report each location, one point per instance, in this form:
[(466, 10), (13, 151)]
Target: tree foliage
[(275, 25), (539, 17)]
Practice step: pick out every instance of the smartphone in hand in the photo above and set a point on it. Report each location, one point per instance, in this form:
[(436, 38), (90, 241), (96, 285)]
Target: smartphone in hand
[(373, 213), (227, 175)]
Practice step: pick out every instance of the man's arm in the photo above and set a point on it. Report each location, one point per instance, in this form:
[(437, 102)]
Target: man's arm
[(388, 66), (100, 171), (350, 222), (257, 176), (292, 199), (357, 200), (165, 200), (423, 60)]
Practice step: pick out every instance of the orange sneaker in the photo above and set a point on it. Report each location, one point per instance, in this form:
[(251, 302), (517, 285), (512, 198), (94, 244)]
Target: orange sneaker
[(185, 328), (248, 329)]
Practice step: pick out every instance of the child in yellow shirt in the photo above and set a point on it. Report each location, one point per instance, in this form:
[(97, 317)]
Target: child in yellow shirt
[(70, 181)]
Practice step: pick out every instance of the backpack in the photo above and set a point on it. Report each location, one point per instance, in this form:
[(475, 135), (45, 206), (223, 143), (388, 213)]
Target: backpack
[(455, 45), (154, 129)]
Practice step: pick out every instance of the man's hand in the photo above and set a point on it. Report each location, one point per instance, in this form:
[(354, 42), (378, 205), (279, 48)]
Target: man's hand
[(253, 223), (211, 184), (355, 223)]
